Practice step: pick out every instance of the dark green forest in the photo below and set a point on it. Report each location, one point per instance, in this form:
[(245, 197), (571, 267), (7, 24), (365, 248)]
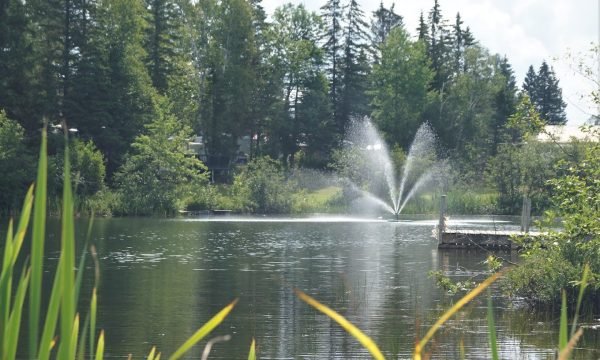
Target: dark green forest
[(134, 81)]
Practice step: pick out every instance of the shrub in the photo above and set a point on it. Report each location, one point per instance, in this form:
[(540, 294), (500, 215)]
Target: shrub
[(15, 164), (261, 187), (158, 176)]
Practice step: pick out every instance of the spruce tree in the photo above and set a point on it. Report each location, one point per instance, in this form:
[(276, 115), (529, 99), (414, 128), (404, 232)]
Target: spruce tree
[(383, 21), (355, 68), (423, 30), (331, 14), (546, 94)]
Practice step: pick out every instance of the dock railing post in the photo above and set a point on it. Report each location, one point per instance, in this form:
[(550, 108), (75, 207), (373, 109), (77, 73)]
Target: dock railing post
[(442, 222), (525, 214), (528, 216), (523, 211)]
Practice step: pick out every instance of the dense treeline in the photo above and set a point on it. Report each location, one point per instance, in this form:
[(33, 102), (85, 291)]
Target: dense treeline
[(125, 75)]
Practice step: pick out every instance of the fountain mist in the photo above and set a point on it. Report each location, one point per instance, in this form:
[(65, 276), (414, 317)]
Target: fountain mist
[(417, 172)]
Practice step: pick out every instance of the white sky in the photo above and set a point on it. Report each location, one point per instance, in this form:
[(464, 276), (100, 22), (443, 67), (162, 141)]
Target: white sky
[(526, 31)]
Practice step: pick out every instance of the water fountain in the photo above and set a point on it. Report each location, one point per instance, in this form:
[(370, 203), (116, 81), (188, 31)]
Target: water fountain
[(419, 168)]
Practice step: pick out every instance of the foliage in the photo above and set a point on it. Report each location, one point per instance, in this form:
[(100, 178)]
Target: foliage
[(324, 200), (261, 187), (14, 163), (87, 173), (559, 256), (545, 94), (158, 176), (400, 85)]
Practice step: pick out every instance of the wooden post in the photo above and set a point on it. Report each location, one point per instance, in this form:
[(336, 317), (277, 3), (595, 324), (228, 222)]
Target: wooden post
[(525, 214), (442, 222), (528, 215), (523, 211)]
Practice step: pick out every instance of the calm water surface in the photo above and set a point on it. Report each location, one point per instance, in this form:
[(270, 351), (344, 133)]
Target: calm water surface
[(162, 278)]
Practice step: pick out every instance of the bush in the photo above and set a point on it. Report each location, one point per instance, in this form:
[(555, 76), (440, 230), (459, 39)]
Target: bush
[(15, 164), (262, 188), (563, 254), (158, 176)]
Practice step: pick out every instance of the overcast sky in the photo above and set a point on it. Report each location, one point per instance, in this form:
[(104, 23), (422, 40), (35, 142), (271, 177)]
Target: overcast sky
[(526, 31)]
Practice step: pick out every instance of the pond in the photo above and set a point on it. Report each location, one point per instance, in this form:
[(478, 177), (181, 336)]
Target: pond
[(161, 279)]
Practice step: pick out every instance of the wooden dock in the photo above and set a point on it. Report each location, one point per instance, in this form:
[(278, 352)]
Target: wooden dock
[(468, 239), (486, 239)]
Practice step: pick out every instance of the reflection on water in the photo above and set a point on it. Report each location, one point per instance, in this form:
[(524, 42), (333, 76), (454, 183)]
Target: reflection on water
[(162, 279)]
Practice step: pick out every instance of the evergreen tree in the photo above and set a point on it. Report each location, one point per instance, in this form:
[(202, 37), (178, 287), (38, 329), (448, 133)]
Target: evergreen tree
[(169, 61), (383, 21), (530, 84), (306, 108), (400, 87), (230, 79), (506, 101), (355, 68), (113, 90), (439, 48), (332, 15), (423, 30), (461, 39), (546, 94), (18, 76)]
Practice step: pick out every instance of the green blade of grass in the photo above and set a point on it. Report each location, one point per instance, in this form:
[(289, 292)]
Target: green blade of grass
[(151, 354), (203, 331), (11, 338), (80, 271), (74, 338), (252, 353), (562, 335), (566, 352), (93, 309), (68, 306), (100, 347), (365, 341), (82, 343), (492, 328), (23, 224), (45, 345), (37, 246), (6, 284), (8, 247), (582, 286), (448, 314)]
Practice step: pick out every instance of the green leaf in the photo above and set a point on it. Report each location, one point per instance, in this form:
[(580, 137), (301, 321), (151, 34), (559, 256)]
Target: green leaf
[(492, 328), (203, 331), (448, 314), (45, 345), (252, 353), (68, 304), (100, 347), (365, 341), (582, 286), (37, 246), (562, 335), (11, 338)]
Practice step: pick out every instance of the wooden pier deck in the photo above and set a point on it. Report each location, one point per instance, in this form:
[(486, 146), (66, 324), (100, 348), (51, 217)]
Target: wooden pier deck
[(479, 238), (488, 239)]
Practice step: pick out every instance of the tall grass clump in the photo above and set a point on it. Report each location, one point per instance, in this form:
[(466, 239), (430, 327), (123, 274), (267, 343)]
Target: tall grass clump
[(55, 330)]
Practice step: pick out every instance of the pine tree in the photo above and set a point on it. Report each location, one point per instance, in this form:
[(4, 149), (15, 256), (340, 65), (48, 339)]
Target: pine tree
[(332, 15), (17, 77), (439, 48), (384, 20), (229, 77), (506, 101), (546, 94), (355, 68), (423, 30)]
